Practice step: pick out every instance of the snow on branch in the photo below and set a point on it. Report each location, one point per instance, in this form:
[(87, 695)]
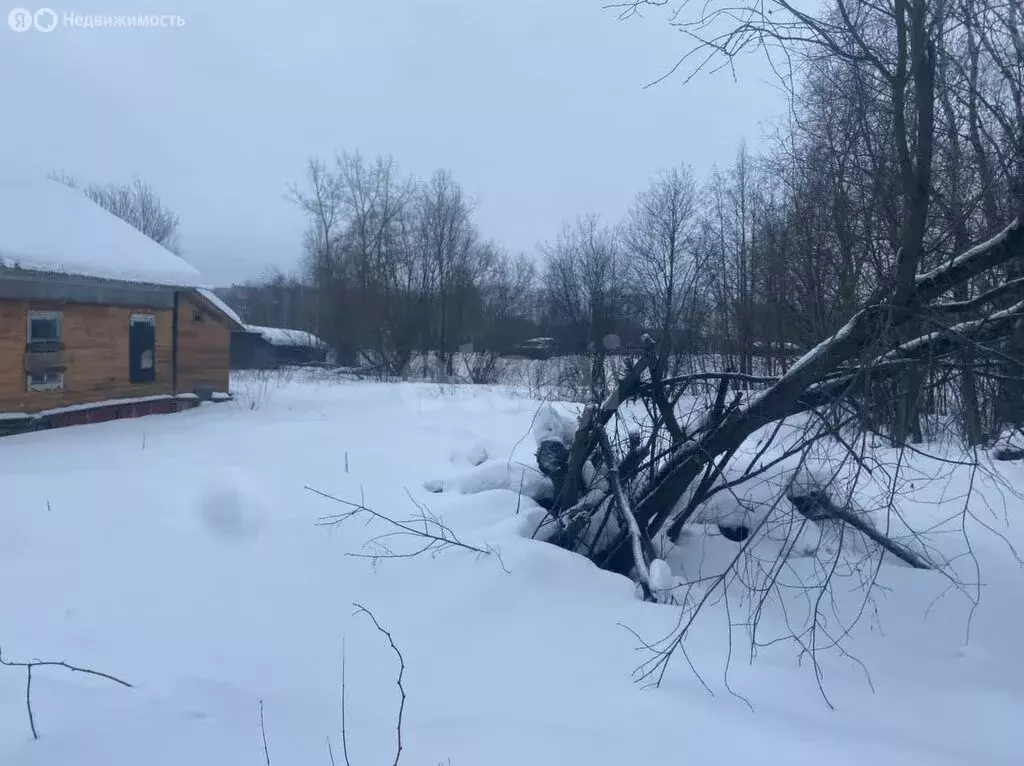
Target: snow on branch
[(993, 252)]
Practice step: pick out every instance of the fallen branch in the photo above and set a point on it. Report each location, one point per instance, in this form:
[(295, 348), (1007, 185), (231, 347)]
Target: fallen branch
[(51, 664), (427, 526), (817, 506), (585, 439), (790, 394), (658, 394), (643, 550)]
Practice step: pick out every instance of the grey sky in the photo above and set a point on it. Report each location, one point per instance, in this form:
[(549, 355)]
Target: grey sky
[(536, 106)]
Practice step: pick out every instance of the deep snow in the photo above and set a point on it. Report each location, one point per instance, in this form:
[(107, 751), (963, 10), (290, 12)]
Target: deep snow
[(181, 553)]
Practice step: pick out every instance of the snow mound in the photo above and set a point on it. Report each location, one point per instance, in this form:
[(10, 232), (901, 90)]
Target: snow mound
[(474, 456), (496, 474), (662, 579), (229, 509), (552, 424)]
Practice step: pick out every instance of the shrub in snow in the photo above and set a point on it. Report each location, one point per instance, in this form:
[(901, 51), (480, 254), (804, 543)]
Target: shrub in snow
[(474, 456), (253, 388)]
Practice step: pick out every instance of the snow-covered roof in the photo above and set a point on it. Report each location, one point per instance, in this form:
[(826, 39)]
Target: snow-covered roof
[(220, 305), (279, 336), (46, 226)]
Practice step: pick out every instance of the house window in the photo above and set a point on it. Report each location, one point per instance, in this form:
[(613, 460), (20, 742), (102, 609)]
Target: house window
[(45, 381), (142, 348), (44, 327), (44, 357)]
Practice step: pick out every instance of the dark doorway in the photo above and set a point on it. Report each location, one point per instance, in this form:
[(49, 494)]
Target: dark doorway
[(142, 349)]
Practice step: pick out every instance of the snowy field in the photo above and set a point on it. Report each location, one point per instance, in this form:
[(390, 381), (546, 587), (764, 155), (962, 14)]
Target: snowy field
[(181, 553)]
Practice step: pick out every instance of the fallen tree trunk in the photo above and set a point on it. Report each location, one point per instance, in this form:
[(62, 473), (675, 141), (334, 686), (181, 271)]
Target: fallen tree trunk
[(817, 506), (824, 377)]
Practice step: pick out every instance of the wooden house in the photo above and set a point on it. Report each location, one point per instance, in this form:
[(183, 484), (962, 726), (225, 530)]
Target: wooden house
[(97, 321)]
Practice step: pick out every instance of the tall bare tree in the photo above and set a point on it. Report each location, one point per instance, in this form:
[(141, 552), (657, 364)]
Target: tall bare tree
[(658, 247), (451, 251), (134, 202)]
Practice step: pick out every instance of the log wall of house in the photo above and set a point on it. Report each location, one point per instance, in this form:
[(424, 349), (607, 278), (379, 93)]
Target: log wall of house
[(95, 354), (203, 347)]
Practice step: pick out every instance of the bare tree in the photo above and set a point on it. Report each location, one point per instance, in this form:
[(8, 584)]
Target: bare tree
[(360, 259), (658, 244), (584, 278), (135, 203), (451, 251), (320, 201)]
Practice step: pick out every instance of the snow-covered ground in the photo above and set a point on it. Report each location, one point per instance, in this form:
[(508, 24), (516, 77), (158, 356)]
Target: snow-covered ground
[(181, 553)]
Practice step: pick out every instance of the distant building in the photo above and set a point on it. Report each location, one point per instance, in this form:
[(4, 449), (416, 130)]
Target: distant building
[(535, 348), (254, 348)]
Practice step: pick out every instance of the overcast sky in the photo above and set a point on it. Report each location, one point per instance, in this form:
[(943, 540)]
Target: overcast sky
[(537, 106)]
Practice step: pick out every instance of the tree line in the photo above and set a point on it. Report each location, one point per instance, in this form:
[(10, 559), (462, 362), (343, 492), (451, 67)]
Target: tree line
[(396, 267), (903, 144)]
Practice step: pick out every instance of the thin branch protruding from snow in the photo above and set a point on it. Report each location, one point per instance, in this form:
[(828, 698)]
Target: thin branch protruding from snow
[(263, 731), (360, 609), (428, 527), (51, 664)]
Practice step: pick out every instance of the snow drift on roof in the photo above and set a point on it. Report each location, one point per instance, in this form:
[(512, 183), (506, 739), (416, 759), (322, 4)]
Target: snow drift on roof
[(220, 305), (279, 336), (45, 226)]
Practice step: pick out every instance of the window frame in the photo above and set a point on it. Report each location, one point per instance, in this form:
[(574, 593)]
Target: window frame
[(133, 320), (34, 315), (52, 385), (53, 380)]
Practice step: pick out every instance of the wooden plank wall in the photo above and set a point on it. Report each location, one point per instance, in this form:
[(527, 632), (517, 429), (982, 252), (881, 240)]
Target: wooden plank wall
[(96, 354), (203, 348)]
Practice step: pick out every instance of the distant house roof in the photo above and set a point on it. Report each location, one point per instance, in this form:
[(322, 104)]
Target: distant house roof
[(279, 336), (47, 227)]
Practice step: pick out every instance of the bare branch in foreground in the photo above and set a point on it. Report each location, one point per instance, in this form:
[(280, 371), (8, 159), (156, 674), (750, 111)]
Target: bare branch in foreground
[(642, 548), (263, 731), (427, 527), (360, 609), (52, 664)]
